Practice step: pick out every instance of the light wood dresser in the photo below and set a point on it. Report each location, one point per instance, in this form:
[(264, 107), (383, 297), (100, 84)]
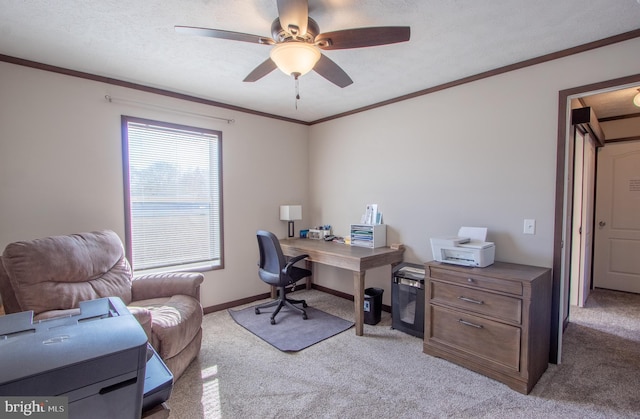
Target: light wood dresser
[(494, 320)]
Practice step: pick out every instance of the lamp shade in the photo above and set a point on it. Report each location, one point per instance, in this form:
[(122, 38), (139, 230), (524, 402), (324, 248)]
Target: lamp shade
[(290, 212), (295, 57)]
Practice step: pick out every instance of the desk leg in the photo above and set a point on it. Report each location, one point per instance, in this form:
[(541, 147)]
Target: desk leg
[(358, 301), (309, 265)]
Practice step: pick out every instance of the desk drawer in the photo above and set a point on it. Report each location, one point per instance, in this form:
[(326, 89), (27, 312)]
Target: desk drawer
[(487, 340), (477, 301), (473, 279)]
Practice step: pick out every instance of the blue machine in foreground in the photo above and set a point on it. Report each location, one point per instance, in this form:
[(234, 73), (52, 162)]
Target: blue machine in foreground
[(96, 360)]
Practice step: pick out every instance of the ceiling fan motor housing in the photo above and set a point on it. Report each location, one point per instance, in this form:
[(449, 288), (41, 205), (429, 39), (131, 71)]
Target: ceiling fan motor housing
[(279, 34)]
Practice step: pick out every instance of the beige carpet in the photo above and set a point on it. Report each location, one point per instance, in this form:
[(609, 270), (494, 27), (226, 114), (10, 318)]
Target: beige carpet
[(385, 374)]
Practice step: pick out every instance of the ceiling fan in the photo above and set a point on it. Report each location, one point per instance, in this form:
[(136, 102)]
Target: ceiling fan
[(297, 41)]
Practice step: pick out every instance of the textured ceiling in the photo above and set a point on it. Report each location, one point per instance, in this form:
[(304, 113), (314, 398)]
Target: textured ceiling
[(135, 41), (618, 103)]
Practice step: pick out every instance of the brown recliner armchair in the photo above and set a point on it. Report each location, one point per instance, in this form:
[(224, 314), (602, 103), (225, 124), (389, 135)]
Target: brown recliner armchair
[(52, 275)]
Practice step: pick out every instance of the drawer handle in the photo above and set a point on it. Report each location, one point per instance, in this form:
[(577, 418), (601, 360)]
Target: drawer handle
[(470, 300), (466, 323), (470, 280)]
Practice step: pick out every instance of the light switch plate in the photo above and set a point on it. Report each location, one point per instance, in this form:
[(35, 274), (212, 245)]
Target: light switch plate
[(529, 226)]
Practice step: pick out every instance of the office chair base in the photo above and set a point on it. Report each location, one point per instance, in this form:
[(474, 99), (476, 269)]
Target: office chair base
[(289, 303)]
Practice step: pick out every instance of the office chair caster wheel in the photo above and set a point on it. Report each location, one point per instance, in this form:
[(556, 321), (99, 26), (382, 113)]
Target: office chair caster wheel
[(304, 317), (273, 321), (257, 311)]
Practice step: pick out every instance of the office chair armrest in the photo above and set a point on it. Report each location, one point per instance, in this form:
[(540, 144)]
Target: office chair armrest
[(292, 262)]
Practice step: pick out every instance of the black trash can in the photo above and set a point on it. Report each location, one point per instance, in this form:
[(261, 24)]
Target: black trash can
[(372, 305)]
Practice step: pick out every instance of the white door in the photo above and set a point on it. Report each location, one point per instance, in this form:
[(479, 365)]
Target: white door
[(617, 230), (582, 229), (576, 227), (586, 245)]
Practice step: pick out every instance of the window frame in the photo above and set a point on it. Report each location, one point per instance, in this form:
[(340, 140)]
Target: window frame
[(184, 267)]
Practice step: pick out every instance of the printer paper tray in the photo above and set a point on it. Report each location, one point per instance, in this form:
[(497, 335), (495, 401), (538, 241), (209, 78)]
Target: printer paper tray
[(462, 262)]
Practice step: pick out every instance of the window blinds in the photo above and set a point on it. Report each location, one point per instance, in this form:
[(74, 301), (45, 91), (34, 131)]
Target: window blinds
[(173, 194)]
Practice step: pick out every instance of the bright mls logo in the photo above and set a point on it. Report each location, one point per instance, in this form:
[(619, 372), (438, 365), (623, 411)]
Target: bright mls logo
[(34, 407)]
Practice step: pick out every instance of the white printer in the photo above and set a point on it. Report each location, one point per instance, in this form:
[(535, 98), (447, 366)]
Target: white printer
[(468, 248)]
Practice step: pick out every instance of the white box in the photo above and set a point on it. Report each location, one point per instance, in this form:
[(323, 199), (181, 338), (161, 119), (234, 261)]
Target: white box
[(369, 235), (318, 234)]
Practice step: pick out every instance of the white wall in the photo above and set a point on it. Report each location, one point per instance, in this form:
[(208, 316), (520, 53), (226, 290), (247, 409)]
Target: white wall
[(61, 167), (480, 154), (622, 128)]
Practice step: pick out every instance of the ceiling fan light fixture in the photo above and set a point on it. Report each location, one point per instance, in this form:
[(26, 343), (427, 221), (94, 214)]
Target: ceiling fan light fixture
[(636, 98), (295, 57)]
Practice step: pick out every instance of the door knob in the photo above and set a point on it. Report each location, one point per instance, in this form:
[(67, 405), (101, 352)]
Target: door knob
[(602, 224)]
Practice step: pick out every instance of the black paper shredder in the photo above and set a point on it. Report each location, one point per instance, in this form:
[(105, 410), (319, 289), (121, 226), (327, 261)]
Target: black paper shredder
[(407, 299)]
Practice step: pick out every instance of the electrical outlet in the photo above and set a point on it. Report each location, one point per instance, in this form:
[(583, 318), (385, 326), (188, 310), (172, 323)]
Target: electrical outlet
[(529, 226)]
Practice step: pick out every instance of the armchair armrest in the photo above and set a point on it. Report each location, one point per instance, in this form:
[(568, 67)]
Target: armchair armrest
[(292, 262), (143, 315), (166, 285)]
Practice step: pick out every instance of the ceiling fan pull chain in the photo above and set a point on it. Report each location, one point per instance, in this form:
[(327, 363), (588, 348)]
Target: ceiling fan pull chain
[(297, 84)]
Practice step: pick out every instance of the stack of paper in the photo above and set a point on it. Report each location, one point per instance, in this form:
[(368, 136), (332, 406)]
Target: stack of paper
[(371, 215)]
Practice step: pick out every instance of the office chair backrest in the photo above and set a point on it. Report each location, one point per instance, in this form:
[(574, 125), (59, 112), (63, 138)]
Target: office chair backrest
[(271, 258)]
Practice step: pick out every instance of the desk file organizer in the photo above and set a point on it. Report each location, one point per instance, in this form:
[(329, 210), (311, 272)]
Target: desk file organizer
[(368, 235)]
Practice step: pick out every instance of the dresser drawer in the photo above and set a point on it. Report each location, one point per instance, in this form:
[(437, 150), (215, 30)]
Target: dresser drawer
[(474, 279), (478, 301), (495, 342)]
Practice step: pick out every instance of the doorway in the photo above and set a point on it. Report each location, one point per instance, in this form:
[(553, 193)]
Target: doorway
[(617, 231), (564, 205)]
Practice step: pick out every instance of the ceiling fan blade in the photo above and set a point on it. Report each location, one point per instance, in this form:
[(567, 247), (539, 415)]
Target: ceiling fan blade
[(363, 37), (332, 72), (220, 34), (260, 71), (294, 15)]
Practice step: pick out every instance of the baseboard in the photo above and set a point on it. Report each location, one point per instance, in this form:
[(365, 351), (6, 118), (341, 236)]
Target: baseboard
[(343, 295), (332, 292), (232, 304)]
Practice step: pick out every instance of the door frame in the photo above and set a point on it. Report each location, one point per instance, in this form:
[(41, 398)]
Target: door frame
[(563, 202)]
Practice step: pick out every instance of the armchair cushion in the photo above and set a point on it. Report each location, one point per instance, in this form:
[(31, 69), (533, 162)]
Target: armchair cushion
[(69, 269), (144, 318), (167, 313)]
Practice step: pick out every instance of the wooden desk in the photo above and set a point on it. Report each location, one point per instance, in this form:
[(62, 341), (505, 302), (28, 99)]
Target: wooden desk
[(352, 258)]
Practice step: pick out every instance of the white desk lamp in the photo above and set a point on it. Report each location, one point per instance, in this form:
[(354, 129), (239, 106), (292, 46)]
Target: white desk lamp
[(290, 213)]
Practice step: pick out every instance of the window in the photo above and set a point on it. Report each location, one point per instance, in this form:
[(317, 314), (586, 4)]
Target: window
[(173, 194)]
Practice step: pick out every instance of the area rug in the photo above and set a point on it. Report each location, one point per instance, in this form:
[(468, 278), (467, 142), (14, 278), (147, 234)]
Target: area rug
[(291, 333)]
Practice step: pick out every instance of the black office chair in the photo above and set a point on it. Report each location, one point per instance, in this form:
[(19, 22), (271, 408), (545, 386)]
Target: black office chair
[(276, 271)]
